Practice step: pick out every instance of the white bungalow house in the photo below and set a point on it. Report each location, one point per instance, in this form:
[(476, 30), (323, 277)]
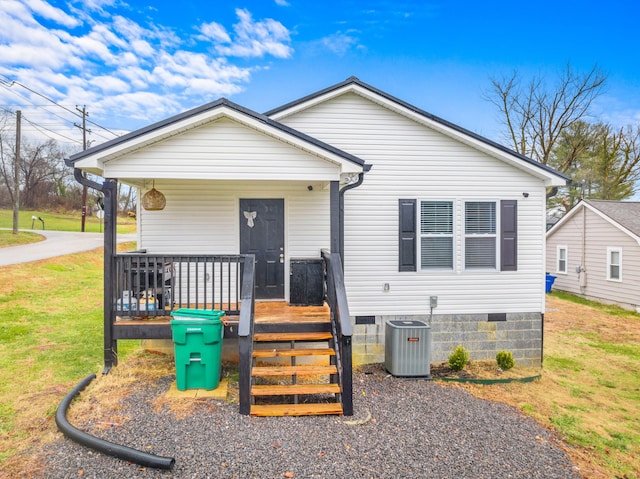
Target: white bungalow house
[(594, 252), (430, 221)]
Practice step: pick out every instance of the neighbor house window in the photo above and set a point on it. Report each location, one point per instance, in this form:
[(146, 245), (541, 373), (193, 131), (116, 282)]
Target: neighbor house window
[(480, 235), (562, 259), (614, 264), (436, 234)]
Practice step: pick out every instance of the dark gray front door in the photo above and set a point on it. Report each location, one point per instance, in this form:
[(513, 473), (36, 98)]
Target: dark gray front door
[(262, 234)]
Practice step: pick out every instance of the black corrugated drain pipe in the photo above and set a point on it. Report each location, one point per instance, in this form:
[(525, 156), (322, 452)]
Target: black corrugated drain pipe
[(100, 445)]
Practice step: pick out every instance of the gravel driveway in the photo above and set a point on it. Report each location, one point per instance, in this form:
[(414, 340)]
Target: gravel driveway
[(417, 429)]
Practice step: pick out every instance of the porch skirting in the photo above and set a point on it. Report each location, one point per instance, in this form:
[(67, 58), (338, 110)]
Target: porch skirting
[(482, 335)]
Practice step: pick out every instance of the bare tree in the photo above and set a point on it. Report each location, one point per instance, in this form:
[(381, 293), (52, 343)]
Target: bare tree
[(41, 164), (536, 114)]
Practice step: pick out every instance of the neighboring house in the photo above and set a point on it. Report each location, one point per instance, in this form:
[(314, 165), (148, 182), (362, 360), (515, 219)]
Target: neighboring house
[(416, 207), (594, 252)]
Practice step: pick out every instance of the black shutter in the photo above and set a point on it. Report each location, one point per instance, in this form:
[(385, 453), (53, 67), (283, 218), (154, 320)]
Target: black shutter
[(508, 235), (408, 233)]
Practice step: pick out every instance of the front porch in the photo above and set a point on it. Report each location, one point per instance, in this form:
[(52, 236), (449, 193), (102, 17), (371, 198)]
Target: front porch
[(306, 349)]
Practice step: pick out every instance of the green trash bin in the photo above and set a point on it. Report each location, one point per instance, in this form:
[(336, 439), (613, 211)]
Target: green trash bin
[(197, 339)]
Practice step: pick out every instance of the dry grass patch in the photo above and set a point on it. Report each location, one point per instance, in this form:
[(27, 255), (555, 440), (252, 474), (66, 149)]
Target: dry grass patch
[(101, 402), (590, 387), (7, 238)]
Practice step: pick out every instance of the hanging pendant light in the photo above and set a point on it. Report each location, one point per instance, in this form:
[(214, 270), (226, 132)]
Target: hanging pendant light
[(153, 200)]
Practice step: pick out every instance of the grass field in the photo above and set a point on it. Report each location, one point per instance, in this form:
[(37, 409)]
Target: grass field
[(62, 221), (51, 337), (590, 387)]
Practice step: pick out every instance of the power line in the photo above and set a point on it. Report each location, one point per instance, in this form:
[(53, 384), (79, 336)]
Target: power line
[(9, 83), (42, 125), (37, 127)]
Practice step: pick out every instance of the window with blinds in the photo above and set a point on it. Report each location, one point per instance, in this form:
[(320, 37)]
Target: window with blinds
[(480, 235), (436, 234)]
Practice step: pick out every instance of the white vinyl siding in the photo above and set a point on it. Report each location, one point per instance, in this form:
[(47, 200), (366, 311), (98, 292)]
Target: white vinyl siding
[(480, 241), (436, 235), (222, 150), (410, 160), (202, 217), (614, 264)]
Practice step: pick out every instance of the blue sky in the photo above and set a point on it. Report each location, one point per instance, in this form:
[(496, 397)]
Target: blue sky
[(135, 62)]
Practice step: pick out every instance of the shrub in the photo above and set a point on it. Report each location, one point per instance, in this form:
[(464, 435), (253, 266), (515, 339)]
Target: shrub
[(459, 358), (505, 360)]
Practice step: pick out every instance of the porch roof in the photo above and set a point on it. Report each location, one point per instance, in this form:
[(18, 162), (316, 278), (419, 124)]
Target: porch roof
[(107, 158)]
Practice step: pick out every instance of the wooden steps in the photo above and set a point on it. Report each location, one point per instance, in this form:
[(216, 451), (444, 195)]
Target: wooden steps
[(317, 409), (285, 336), (291, 389), (282, 387), (275, 353), (306, 369)]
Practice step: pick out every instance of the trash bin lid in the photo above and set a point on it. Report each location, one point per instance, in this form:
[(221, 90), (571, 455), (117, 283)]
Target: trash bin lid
[(190, 313)]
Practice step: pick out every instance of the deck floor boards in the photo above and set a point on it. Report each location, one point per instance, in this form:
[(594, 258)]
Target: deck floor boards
[(265, 312)]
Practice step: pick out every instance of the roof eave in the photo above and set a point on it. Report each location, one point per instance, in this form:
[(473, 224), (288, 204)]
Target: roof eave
[(96, 156), (550, 176)]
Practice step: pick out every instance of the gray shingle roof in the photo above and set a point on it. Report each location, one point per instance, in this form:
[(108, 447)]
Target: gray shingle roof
[(626, 213)]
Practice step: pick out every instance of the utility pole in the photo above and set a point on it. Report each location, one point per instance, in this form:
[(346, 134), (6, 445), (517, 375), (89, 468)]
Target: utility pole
[(16, 174), (84, 147)]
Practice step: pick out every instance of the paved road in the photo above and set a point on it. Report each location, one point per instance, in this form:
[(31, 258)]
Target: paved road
[(57, 243)]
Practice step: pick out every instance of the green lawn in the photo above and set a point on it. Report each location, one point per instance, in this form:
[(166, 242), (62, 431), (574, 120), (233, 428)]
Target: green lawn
[(51, 331), (62, 221)]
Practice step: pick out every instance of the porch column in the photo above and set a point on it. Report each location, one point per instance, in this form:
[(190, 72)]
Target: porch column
[(334, 191), (110, 191)]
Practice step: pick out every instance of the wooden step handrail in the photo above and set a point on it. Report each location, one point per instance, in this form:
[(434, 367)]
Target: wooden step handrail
[(245, 334), (341, 326)]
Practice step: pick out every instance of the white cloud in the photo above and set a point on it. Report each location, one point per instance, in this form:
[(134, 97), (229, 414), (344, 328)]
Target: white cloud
[(140, 105), (256, 39), (128, 72), (109, 84), (340, 42), (198, 74), (215, 32), (45, 10), (142, 47), (282, 3)]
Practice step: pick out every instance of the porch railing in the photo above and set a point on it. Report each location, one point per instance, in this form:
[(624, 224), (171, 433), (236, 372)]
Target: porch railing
[(154, 285), (336, 297)]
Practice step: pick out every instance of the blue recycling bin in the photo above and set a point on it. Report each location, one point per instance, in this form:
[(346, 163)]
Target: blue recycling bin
[(550, 280)]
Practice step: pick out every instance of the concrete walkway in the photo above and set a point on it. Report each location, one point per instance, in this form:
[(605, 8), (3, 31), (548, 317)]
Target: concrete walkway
[(57, 243)]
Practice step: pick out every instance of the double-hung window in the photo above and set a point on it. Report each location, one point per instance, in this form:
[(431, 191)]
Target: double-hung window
[(428, 237), (480, 238), (436, 235), (614, 264), (562, 259)]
